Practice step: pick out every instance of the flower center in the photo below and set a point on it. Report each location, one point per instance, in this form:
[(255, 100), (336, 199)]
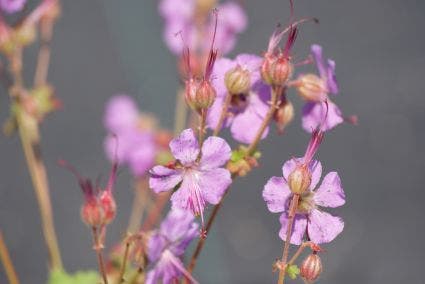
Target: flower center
[(306, 203), (239, 102)]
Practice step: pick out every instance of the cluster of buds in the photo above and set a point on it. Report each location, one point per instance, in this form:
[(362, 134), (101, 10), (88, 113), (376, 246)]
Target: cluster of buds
[(40, 102), (23, 34), (99, 207), (241, 163)]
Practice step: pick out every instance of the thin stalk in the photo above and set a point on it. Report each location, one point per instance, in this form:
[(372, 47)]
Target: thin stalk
[(276, 91), (7, 262), (223, 114), (98, 247), (291, 217), (29, 135), (298, 252), (139, 204), (201, 127), (43, 60), (124, 262), (180, 113), (251, 149)]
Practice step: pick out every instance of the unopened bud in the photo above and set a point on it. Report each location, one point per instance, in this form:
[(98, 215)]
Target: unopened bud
[(237, 80), (299, 180), (199, 96), (311, 268), (109, 206), (91, 213), (276, 70), (284, 115), (311, 88)]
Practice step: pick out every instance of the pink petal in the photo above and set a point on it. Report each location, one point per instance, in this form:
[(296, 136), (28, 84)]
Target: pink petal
[(323, 227), (142, 159), (121, 113), (214, 184), (314, 114), (215, 152), (246, 125), (232, 16), (330, 192), (315, 169), (298, 229), (276, 193), (164, 179), (185, 147)]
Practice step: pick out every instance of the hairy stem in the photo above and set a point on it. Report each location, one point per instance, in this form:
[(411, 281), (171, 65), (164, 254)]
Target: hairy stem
[(43, 60), (291, 217), (223, 114), (30, 139), (98, 247), (7, 262)]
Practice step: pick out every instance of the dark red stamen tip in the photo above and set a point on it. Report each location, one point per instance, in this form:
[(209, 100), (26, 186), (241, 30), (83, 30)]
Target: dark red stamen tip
[(213, 52), (293, 33), (85, 184)]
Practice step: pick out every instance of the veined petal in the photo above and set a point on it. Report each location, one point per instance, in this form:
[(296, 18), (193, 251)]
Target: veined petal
[(298, 229), (323, 227), (176, 224), (315, 169), (189, 196), (214, 183), (185, 147), (156, 245), (215, 153), (246, 125), (330, 192), (316, 50), (276, 193), (163, 178), (314, 115)]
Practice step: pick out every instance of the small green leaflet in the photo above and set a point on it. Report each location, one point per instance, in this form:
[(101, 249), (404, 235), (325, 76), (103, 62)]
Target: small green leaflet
[(292, 271)]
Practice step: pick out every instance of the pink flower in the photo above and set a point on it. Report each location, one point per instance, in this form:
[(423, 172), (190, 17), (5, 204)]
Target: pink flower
[(12, 6), (310, 221), (197, 174)]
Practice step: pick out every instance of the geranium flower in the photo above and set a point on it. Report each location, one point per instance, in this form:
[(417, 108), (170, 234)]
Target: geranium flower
[(12, 6), (197, 173), (310, 221)]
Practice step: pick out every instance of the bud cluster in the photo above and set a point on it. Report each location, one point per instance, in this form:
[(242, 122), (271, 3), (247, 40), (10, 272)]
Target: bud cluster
[(276, 70)]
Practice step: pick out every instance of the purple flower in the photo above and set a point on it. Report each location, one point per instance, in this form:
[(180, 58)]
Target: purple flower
[(247, 111), (180, 17), (310, 220), (12, 6), (167, 245), (317, 112), (136, 145), (197, 172)]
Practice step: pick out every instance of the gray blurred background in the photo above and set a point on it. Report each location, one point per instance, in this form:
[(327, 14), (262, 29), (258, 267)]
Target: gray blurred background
[(101, 48)]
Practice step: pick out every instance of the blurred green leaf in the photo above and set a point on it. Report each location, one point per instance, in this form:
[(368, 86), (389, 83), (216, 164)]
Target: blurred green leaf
[(293, 271), (80, 277)]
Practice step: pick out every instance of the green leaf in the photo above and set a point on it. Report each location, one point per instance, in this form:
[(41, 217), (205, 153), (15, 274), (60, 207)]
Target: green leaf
[(80, 277), (293, 271), (237, 155)]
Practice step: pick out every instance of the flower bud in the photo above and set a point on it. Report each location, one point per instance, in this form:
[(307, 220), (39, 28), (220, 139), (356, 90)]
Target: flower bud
[(237, 80), (311, 88), (284, 115), (276, 70), (190, 92), (91, 213), (205, 95), (311, 268), (109, 206), (299, 180)]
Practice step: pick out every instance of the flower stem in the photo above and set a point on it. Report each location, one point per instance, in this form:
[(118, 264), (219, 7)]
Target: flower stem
[(202, 121), (291, 217), (298, 252), (124, 262), (251, 149), (139, 204), (223, 114), (180, 113), (7, 262), (43, 60), (276, 91), (30, 139), (98, 247)]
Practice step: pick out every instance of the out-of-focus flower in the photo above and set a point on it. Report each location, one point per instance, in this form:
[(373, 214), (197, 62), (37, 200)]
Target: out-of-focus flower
[(319, 109), (99, 207), (247, 110), (184, 17), (134, 132), (320, 227), (197, 173), (12, 6), (167, 245)]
